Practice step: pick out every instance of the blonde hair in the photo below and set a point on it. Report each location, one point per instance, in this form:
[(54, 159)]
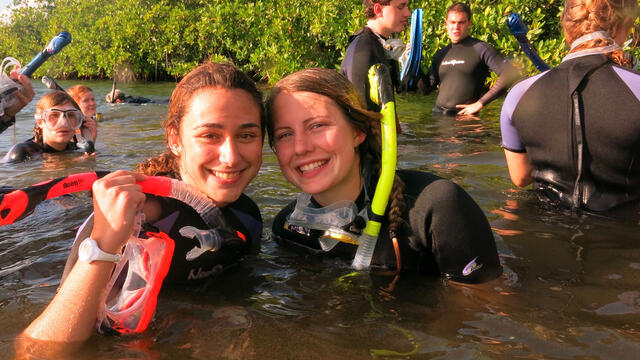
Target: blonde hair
[(581, 17)]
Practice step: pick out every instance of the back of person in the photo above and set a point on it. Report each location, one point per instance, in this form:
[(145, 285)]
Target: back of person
[(609, 131), (575, 129)]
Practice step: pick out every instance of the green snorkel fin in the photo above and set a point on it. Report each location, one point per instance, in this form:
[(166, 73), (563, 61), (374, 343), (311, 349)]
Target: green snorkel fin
[(382, 94)]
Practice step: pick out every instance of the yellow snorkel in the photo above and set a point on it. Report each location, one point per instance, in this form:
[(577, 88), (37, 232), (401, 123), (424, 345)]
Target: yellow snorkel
[(381, 92)]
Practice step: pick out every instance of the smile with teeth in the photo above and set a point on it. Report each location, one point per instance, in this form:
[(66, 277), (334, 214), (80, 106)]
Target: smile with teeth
[(312, 166), (226, 175)]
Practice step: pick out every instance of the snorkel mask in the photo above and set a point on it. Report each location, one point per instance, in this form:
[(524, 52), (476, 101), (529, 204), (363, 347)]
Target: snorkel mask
[(132, 291)]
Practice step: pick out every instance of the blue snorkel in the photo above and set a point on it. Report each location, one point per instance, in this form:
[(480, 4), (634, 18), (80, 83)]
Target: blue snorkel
[(519, 31), (55, 45), (411, 66), (381, 93)]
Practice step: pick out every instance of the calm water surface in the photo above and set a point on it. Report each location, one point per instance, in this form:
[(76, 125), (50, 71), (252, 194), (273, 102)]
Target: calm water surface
[(570, 290)]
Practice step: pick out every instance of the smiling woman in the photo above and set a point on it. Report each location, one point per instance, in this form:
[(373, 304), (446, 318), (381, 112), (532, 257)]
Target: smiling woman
[(214, 144), (328, 146)]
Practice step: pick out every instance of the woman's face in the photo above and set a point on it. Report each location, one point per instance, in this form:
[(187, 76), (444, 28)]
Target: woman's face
[(57, 134), (317, 146), (220, 143), (88, 104)]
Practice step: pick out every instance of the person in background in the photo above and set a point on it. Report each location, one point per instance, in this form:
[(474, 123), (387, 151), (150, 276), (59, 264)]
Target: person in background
[(119, 97), (460, 69), (57, 117), (22, 98), (328, 145), (368, 46), (214, 136), (574, 130), (83, 95)]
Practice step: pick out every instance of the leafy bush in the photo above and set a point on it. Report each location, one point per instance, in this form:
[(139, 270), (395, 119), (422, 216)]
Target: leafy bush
[(267, 38)]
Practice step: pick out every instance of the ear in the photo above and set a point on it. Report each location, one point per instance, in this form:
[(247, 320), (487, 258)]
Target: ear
[(173, 140), (360, 137), (377, 10)]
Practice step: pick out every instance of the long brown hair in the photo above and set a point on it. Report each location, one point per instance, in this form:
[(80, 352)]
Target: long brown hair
[(336, 87), (581, 17), (207, 75), (46, 102)]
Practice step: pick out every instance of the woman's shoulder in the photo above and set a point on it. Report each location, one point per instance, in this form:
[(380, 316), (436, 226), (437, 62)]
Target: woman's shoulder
[(246, 205), (23, 151)]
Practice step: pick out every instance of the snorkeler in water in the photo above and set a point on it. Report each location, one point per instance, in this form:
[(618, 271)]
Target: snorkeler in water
[(214, 134), (328, 146)]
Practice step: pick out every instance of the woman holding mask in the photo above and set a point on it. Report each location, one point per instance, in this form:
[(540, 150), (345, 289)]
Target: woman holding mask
[(214, 143)]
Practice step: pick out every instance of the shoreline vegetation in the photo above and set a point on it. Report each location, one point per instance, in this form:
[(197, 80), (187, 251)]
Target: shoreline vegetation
[(163, 40)]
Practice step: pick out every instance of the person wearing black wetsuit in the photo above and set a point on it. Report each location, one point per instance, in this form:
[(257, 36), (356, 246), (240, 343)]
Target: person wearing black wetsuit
[(444, 233), (214, 136), (326, 146), (461, 68), (31, 148), (367, 46), (574, 130)]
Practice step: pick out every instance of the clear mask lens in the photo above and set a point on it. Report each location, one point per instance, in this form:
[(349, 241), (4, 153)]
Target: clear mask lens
[(73, 118)]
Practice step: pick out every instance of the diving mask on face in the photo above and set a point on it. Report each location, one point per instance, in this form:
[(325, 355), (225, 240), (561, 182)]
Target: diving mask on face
[(338, 222)]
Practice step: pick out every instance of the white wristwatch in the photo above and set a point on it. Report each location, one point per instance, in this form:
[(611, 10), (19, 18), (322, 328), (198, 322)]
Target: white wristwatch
[(89, 251)]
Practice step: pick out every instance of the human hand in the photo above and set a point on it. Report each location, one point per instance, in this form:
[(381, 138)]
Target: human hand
[(116, 200), (21, 98), (468, 109), (89, 124)]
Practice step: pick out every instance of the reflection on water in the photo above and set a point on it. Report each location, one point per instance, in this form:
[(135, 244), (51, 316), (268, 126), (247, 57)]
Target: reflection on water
[(570, 288)]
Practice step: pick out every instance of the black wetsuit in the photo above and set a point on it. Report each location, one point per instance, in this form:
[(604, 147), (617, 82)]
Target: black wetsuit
[(538, 118), (445, 232), (28, 149), (462, 69), (6, 122), (242, 216), (136, 100), (365, 49)]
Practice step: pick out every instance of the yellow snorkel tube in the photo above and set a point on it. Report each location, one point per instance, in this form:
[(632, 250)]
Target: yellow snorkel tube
[(381, 93)]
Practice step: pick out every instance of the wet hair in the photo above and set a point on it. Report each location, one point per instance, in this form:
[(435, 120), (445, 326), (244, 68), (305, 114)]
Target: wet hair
[(336, 87), (368, 7), (48, 101), (581, 17), (117, 94), (78, 91), (206, 76), (460, 8)]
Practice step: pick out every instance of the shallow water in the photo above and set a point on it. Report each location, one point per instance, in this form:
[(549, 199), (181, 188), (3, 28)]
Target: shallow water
[(570, 289)]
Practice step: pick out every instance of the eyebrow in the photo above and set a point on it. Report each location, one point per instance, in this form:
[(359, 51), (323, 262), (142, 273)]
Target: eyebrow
[(305, 121), (219, 126)]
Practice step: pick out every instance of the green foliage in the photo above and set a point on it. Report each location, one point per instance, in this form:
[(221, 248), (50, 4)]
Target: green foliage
[(159, 39)]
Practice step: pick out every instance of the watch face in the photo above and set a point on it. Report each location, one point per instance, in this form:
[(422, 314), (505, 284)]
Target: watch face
[(86, 250)]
